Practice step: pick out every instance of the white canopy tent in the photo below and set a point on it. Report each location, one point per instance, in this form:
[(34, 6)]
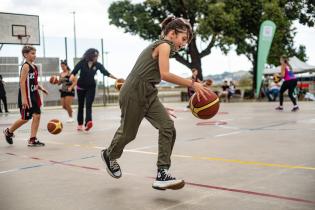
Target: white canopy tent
[(298, 67)]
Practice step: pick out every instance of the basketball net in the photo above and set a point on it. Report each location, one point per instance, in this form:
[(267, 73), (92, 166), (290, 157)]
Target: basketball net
[(24, 39)]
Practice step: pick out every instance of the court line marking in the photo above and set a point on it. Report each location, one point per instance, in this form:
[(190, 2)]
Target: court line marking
[(51, 162), (187, 183), (242, 162), (228, 134)]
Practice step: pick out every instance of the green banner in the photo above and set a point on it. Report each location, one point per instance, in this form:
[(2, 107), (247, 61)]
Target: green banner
[(266, 33)]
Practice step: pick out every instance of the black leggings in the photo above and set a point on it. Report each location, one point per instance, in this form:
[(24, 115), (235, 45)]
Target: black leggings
[(288, 85), (88, 95)]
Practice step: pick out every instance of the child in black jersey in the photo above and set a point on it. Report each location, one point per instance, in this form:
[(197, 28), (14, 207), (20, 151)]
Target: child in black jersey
[(29, 100)]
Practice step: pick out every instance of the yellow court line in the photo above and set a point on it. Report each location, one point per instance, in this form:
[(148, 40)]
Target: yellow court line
[(275, 165)]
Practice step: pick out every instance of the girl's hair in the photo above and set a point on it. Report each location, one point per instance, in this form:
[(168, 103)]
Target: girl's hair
[(286, 61), (64, 62), (180, 25), (90, 54), (27, 49)]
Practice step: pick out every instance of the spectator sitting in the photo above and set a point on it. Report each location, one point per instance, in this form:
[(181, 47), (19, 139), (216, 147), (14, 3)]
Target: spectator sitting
[(231, 90), (273, 91), (225, 91)]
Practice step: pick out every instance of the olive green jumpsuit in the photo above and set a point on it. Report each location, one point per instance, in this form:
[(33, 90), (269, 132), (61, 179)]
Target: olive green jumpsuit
[(137, 100)]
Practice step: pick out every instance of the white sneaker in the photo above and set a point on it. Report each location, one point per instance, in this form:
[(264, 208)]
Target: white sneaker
[(164, 181), (70, 120)]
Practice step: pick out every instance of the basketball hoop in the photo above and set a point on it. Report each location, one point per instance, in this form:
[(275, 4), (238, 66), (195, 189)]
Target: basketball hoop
[(23, 38), (19, 29)]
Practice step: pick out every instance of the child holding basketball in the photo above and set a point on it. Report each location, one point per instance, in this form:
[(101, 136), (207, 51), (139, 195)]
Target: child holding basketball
[(138, 99), (67, 89), (86, 85), (29, 100)]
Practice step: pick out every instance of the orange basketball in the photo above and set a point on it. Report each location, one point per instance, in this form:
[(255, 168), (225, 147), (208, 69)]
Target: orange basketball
[(54, 126), (53, 80), (119, 83), (204, 109)]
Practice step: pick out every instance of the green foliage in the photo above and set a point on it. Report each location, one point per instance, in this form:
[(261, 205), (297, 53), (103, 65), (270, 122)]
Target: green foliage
[(219, 23)]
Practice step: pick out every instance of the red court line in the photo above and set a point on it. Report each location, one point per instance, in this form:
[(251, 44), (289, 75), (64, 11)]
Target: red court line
[(74, 165), (193, 184), (250, 192)]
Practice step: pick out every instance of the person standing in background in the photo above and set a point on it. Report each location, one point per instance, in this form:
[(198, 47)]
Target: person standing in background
[(86, 85), (3, 96), (67, 89)]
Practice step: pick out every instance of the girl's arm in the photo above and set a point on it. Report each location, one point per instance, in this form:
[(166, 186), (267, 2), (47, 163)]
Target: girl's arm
[(43, 89), (74, 83), (282, 70), (75, 71), (59, 81), (23, 77), (163, 51), (105, 72)]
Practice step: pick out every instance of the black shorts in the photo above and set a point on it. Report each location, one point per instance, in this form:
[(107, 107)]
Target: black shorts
[(27, 114), (64, 94)]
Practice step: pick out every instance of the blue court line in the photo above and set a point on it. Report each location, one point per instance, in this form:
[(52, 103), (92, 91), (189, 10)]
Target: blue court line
[(43, 164)]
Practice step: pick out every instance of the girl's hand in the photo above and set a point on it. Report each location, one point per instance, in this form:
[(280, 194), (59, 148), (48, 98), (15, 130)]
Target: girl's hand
[(45, 91), (200, 90), (25, 104), (69, 89)]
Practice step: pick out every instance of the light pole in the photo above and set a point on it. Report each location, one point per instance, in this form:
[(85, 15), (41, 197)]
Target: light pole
[(74, 35), (44, 48), (106, 61)]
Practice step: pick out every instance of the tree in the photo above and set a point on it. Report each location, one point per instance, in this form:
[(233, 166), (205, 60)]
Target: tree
[(283, 12), (144, 19), (219, 23)]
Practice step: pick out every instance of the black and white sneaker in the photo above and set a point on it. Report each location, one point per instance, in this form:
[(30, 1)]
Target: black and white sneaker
[(279, 108), (8, 136), (33, 142), (164, 181), (112, 167)]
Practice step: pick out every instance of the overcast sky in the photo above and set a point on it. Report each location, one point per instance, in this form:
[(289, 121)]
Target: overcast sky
[(92, 23)]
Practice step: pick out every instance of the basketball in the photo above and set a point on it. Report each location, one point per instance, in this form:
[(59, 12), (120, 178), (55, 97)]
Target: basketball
[(54, 126), (119, 83), (53, 80), (205, 108)]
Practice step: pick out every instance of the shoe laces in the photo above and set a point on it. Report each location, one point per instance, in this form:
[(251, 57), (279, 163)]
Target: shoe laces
[(114, 165), (166, 175)]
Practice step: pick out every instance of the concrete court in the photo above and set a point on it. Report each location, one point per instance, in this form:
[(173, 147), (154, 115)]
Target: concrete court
[(252, 158)]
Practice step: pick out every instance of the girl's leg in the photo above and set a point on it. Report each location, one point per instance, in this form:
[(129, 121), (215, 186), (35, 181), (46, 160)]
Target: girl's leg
[(68, 103), (128, 129), (62, 102), (89, 102), (35, 125), (292, 86), (81, 98), (17, 124), (159, 118), (283, 88)]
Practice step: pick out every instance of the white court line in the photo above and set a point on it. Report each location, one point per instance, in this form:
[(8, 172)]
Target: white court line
[(145, 147), (228, 134), (12, 170), (228, 127)]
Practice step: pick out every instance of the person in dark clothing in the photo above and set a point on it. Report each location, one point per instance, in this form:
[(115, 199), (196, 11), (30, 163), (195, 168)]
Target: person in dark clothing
[(86, 85), (225, 91), (3, 96)]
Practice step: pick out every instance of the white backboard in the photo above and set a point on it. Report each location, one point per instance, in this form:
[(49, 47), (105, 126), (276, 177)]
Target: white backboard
[(19, 29)]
